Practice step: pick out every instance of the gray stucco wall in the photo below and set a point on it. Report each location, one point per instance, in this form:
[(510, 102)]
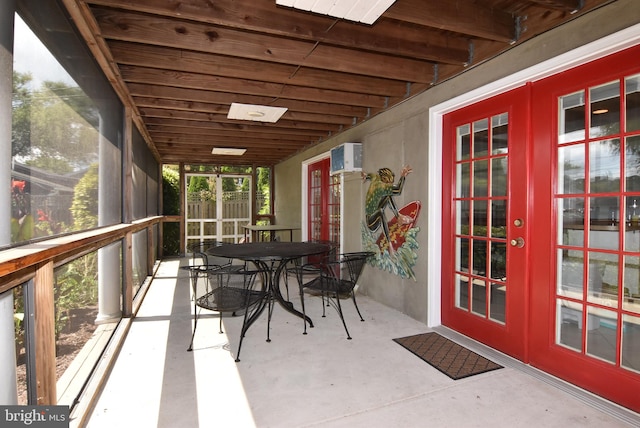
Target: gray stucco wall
[(399, 137)]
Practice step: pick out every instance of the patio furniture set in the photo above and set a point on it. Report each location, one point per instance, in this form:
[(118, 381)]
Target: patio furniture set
[(244, 279)]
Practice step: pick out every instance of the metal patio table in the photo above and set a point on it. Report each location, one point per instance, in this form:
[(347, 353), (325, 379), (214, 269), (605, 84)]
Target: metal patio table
[(270, 258)]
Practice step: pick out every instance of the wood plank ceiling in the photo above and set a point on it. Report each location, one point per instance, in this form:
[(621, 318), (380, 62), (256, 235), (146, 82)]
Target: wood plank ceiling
[(180, 64)]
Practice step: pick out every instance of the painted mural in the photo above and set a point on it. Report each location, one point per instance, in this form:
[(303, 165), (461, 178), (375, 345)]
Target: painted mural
[(389, 231)]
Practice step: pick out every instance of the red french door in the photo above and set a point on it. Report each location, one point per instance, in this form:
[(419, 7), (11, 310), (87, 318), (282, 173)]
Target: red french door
[(485, 222), (585, 314), (323, 199), (541, 225)]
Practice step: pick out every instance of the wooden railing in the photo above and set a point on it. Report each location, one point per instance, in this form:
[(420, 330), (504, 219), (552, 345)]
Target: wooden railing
[(37, 262)]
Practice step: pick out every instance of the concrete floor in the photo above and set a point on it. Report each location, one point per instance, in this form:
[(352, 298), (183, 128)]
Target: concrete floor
[(316, 380)]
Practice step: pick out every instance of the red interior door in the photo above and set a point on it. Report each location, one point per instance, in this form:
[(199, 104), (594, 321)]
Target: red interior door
[(323, 202), (485, 222)]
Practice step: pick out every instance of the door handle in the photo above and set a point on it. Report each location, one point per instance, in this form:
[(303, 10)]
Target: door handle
[(518, 242)]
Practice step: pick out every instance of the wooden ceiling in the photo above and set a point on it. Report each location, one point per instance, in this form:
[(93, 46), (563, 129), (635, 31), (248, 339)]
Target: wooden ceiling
[(180, 64)]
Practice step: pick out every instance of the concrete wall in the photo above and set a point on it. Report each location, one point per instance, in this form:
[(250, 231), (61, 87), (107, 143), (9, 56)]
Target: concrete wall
[(399, 137)]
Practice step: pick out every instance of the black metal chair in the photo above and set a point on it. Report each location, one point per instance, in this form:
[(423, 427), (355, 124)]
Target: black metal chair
[(230, 291), (337, 279), (307, 268)]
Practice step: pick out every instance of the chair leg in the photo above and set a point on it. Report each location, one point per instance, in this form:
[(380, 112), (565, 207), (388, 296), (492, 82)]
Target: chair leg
[(339, 308), (195, 325), (353, 296)]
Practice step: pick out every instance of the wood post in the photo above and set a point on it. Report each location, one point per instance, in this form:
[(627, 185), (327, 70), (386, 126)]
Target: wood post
[(45, 335)]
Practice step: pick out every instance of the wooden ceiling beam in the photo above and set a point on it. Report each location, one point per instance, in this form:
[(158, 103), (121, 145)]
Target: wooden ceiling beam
[(391, 37), (233, 125), (153, 76), (570, 6), (198, 62), (461, 16), (225, 98), (155, 30), (276, 134), (210, 117), (143, 102)]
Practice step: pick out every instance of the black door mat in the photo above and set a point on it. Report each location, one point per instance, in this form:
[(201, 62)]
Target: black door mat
[(454, 360)]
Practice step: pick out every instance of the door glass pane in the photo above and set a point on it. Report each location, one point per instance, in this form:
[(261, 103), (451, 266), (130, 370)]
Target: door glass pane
[(499, 219), (499, 176), (632, 102), (632, 164), (499, 261), (462, 181), (602, 287), (462, 259), (480, 138), (571, 221), (464, 142), (631, 343), (479, 297), (571, 169), (605, 109), (499, 134), (480, 178), (632, 224), (479, 218), (601, 334), (604, 166), (571, 121), (631, 281), (462, 217), (462, 291), (569, 324), (479, 257), (603, 229), (570, 273), (498, 302)]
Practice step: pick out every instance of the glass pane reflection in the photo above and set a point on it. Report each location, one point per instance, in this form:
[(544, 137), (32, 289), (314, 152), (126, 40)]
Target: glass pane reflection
[(605, 109), (604, 166), (571, 167), (632, 91), (601, 334), (630, 351), (571, 121), (569, 324)]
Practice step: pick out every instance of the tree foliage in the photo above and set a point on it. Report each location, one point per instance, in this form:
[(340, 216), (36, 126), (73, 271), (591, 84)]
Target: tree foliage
[(84, 207)]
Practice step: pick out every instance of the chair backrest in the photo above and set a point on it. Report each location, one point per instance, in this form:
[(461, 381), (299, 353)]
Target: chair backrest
[(329, 256), (348, 266)]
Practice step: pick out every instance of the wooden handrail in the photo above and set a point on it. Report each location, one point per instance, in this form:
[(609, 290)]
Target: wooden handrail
[(38, 260), (60, 250)]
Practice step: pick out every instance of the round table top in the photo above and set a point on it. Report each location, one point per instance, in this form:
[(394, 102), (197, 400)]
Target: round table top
[(272, 250)]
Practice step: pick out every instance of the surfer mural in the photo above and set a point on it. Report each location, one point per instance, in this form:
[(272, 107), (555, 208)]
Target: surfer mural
[(387, 230)]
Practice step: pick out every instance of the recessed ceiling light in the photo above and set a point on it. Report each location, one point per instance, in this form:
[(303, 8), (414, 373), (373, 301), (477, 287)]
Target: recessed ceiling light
[(228, 151), (601, 111), (255, 112), (365, 11)]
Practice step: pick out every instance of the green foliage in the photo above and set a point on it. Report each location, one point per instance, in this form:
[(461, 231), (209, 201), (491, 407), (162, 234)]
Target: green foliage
[(198, 184), (170, 191), (53, 122), (76, 287), (84, 207), (170, 206)]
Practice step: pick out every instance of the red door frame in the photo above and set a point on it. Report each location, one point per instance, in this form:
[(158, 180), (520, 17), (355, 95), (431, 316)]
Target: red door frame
[(597, 376), (509, 338)]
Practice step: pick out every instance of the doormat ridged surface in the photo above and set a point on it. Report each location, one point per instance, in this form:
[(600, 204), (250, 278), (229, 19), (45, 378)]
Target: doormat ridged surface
[(454, 360)]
